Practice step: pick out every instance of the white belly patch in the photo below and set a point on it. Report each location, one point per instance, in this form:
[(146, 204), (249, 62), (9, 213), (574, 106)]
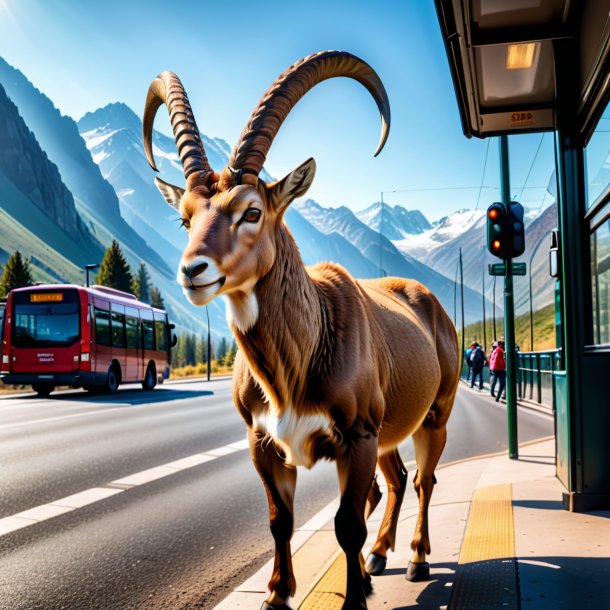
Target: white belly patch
[(291, 432)]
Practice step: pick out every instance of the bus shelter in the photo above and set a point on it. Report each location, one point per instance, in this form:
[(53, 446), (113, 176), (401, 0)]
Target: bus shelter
[(544, 65)]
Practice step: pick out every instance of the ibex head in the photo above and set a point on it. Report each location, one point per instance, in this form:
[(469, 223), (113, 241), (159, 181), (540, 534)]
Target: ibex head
[(232, 218)]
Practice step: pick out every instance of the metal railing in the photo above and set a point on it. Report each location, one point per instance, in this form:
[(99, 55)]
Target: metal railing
[(535, 376)]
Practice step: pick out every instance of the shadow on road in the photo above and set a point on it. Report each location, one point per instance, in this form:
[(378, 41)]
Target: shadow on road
[(131, 396)]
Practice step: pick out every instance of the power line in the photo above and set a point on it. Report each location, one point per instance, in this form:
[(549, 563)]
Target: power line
[(531, 166)]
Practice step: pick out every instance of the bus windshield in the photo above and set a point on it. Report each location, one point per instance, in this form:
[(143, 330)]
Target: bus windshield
[(45, 319)]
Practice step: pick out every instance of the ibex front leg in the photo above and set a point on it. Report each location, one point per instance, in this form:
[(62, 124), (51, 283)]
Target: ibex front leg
[(280, 481), (356, 469)]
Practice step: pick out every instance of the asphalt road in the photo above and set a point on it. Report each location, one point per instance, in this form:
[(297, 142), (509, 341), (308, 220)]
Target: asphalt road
[(181, 536)]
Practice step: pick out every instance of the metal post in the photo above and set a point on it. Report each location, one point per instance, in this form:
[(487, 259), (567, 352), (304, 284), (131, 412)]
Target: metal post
[(209, 367), (89, 268), (509, 316), (494, 311), (462, 299), (484, 320), (381, 237)]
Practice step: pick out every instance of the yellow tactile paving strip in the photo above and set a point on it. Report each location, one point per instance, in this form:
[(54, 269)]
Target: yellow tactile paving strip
[(486, 576), (490, 533), (329, 592)]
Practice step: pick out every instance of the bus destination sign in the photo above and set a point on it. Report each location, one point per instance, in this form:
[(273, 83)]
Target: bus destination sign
[(46, 297)]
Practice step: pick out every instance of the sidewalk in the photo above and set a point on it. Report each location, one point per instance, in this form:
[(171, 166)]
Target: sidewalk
[(500, 539)]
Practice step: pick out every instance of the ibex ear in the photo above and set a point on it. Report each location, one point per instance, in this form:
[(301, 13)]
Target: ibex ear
[(295, 184), (172, 194)]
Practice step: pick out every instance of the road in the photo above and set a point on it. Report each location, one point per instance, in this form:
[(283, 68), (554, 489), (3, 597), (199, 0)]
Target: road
[(132, 535)]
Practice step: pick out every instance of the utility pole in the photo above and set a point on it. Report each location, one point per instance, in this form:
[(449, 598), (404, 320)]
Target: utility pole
[(462, 299), (494, 310), (381, 237), (88, 268), (509, 315), (209, 367), (484, 320)]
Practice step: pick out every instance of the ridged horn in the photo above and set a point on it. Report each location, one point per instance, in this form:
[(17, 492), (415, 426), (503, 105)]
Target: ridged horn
[(167, 89), (253, 145)]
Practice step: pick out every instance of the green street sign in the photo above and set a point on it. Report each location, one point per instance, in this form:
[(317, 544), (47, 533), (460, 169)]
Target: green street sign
[(500, 269), (519, 269), (497, 269)]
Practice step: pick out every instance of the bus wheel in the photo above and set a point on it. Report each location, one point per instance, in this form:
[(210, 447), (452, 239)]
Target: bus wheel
[(112, 381), (43, 389), (150, 379)]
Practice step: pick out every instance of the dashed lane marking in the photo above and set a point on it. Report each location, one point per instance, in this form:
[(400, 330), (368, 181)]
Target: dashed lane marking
[(96, 494)]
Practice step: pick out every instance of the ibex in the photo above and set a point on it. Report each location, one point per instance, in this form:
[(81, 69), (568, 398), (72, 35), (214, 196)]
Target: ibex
[(328, 366)]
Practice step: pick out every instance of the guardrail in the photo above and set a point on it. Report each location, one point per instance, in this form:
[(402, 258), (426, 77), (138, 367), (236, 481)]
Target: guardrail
[(536, 375)]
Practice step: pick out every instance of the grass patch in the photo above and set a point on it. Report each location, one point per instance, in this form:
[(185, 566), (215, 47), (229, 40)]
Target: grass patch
[(544, 330)]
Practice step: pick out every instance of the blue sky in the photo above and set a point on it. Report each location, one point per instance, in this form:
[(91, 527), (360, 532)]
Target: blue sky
[(84, 55)]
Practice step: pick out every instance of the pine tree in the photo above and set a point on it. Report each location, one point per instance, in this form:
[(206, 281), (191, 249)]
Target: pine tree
[(155, 298), (230, 359), (141, 284), (202, 350), (114, 271), (17, 274), (222, 352)]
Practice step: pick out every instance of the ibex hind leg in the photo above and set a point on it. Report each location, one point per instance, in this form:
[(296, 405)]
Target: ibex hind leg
[(395, 475), (429, 441)]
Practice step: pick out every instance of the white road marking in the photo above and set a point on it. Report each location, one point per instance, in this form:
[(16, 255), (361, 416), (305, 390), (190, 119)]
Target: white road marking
[(95, 494)]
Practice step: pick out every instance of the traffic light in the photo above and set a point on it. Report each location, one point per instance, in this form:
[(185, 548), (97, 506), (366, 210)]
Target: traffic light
[(497, 230), (505, 232), (516, 230)]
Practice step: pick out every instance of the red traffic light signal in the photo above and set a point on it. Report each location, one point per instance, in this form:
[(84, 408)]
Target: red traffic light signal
[(505, 230), (496, 229)]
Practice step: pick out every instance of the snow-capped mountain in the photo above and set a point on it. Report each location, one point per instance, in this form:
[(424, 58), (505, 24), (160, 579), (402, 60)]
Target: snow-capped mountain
[(384, 254), (396, 222), (446, 230), (467, 230)]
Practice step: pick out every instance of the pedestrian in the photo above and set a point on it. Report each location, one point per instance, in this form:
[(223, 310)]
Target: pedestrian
[(497, 364), (479, 361), (468, 362)]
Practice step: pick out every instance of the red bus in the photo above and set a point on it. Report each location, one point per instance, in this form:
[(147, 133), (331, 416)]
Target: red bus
[(95, 338)]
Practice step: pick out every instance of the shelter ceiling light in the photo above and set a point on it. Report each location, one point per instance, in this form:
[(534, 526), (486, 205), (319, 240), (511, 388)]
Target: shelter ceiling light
[(521, 56)]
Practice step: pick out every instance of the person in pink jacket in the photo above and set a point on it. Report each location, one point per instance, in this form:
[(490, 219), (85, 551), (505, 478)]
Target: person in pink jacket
[(497, 366)]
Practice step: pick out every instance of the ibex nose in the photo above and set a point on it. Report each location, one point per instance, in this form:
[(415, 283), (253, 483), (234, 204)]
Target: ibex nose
[(193, 270)]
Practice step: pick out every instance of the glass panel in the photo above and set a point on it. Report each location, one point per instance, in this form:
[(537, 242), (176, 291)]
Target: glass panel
[(161, 333), (102, 327), (132, 327), (46, 322), (118, 329), (148, 334), (600, 269), (598, 159)]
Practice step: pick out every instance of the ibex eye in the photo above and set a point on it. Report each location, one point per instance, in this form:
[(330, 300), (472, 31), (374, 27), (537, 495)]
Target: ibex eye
[(252, 215), (185, 223)]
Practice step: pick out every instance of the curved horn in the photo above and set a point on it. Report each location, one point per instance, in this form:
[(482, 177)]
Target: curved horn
[(253, 145), (168, 89)]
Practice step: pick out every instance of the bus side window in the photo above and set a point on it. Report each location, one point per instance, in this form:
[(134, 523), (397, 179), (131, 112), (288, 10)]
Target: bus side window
[(132, 326), (148, 334), (102, 326), (160, 333), (118, 329)]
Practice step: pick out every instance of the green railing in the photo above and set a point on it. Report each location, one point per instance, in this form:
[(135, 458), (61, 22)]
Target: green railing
[(536, 376)]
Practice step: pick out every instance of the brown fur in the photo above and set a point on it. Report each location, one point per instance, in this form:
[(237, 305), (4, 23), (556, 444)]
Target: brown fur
[(328, 366)]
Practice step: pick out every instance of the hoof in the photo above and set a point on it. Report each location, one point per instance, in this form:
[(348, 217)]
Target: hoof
[(375, 564), (267, 606), (367, 584), (418, 571), (354, 606)]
